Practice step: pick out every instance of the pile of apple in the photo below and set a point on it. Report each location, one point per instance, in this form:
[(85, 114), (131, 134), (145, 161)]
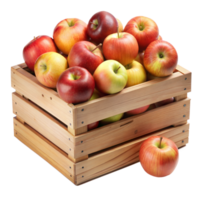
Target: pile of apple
[(87, 61)]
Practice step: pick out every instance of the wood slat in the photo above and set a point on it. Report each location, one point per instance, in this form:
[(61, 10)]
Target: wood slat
[(40, 145), (23, 65), (106, 145), (103, 137), (44, 123), (77, 116), (98, 164), (121, 168), (28, 85), (120, 156), (132, 127), (182, 70), (181, 97), (132, 98)]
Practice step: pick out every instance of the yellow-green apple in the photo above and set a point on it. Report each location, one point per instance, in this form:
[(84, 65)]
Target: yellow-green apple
[(139, 57), (164, 102), (48, 68), (144, 29), (137, 110), (160, 58), (112, 119), (158, 156), (159, 37), (96, 94), (85, 54), (122, 47), (110, 77), (136, 73), (75, 85), (36, 47), (120, 25), (101, 25), (68, 32)]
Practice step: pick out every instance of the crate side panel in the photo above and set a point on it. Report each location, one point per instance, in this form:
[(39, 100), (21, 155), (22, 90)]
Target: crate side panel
[(123, 168), (40, 145), (132, 127), (44, 123), (131, 98), (28, 85), (107, 174), (115, 159)]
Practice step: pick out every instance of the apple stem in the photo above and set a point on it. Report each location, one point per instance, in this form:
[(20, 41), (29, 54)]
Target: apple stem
[(97, 47), (93, 23), (160, 142), (117, 69), (34, 37)]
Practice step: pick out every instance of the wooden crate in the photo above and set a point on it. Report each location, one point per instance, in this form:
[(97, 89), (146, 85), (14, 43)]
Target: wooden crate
[(65, 125)]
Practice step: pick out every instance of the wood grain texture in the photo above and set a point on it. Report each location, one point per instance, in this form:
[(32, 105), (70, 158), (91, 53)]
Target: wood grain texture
[(44, 123), (78, 131), (180, 97), (122, 155), (103, 137), (23, 65), (40, 145), (28, 85), (98, 164), (182, 70), (132, 127), (131, 98), (77, 116)]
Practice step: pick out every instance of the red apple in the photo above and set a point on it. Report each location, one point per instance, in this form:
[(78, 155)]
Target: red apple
[(158, 156), (122, 47), (68, 32), (160, 58), (159, 37), (75, 85), (138, 110), (110, 77), (48, 68), (101, 25), (36, 47), (139, 58), (92, 126), (164, 102), (85, 54), (145, 31)]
